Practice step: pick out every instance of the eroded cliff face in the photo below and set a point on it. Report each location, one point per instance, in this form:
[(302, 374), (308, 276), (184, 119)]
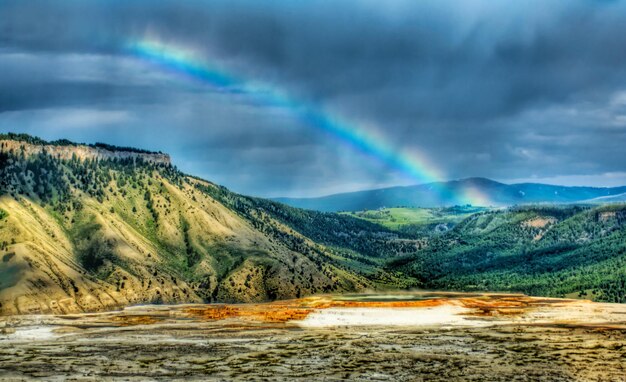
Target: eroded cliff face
[(81, 152)]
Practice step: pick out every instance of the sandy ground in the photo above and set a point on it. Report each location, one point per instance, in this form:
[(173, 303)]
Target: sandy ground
[(404, 336)]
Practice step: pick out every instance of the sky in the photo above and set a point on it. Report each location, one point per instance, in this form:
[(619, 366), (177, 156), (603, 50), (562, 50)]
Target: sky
[(424, 90)]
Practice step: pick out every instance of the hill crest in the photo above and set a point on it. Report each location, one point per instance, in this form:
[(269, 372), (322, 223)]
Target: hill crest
[(67, 150)]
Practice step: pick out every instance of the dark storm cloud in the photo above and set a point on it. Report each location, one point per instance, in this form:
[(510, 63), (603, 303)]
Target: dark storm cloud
[(69, 94), (499, 89)]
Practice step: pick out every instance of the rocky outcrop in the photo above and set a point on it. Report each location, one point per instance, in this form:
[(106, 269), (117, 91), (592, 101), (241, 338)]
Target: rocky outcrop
[(81, 152)]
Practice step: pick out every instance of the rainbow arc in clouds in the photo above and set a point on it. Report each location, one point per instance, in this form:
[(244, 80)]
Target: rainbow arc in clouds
[(365, 140)]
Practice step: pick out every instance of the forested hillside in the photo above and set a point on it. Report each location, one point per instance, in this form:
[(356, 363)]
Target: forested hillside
[(86, 233), (569, 251)]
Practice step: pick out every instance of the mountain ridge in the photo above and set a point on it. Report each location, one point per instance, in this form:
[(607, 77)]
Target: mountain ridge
[(64, 149), (95, 233), (450, 193)]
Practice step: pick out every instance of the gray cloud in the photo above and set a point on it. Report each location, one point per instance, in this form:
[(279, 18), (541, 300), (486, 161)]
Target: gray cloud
[(498, 89)]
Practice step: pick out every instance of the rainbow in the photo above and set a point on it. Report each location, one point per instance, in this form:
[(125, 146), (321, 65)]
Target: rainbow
[(182, 61), (474, 196)]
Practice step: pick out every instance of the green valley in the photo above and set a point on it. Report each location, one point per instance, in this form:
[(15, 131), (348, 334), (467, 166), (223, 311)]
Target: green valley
[(423, 221)]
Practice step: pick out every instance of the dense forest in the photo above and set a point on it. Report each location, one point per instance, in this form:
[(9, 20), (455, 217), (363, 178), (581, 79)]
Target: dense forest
[(565, 251)]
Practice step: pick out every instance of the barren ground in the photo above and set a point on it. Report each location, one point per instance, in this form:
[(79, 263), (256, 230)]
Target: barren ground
[(401, 336)]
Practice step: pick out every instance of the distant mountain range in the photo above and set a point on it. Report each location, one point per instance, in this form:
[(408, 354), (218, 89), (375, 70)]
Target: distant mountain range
[(475, 191)]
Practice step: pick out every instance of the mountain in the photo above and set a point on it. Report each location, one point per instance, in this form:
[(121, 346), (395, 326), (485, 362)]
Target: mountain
[(561, 251), (619, 198), (93, 227), (476, 191)]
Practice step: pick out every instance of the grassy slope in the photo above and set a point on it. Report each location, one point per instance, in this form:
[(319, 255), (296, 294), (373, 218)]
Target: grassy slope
[(417, 221), (87, 236)]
